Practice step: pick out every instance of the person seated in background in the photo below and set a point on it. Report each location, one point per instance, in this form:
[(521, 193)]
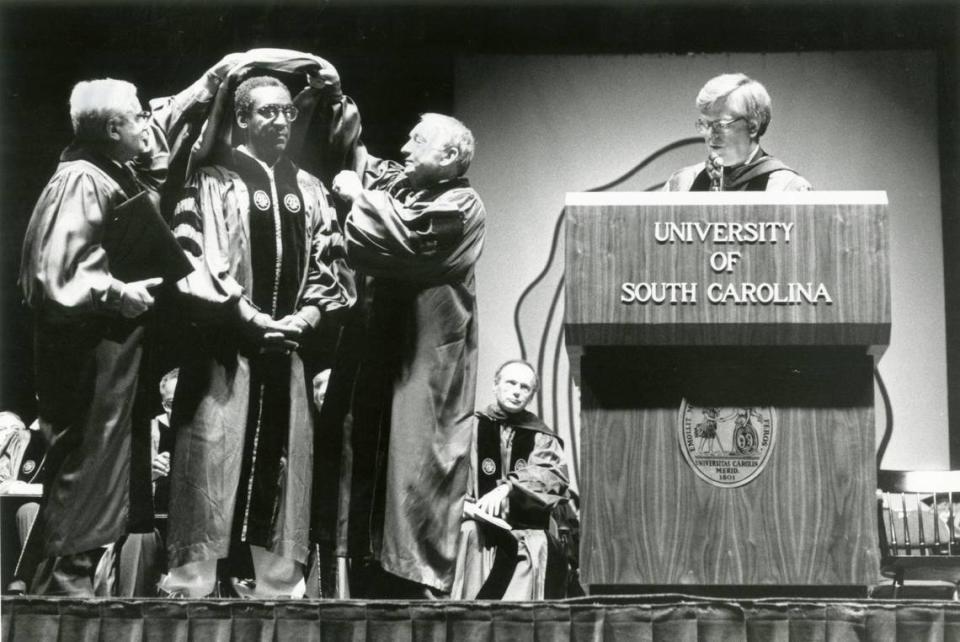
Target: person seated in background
[(161, 439), (734, 113), (506, 548), (22, 454)]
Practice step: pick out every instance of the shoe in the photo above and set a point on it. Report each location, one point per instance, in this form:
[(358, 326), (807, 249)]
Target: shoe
[(243, 588), (16, 587)]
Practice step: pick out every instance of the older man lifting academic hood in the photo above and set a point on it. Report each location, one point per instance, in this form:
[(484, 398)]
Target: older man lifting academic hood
[(414, 231)]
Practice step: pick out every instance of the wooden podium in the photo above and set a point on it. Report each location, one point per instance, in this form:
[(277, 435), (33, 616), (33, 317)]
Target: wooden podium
[(725, 345)]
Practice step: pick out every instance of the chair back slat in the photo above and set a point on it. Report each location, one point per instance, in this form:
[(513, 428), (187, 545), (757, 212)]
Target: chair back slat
[(921, 539), (906, 524), (918, 519), (936, 523), (952, 525), (889, 524)]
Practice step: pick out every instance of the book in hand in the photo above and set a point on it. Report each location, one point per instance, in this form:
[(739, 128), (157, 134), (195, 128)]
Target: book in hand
[(471, 511), (140, 244)]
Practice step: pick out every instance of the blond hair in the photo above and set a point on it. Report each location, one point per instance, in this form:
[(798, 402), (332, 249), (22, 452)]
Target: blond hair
[(743, 94)]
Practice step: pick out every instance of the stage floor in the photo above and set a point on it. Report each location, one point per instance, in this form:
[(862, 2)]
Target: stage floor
[(665, 617)]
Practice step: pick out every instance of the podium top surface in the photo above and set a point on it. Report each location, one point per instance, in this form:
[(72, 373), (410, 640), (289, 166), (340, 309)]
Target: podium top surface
[(727, 268), (599, 199)]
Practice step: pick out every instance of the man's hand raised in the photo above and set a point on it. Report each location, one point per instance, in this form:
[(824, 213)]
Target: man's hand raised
[(324, 77), (277, 336), (347, 186)]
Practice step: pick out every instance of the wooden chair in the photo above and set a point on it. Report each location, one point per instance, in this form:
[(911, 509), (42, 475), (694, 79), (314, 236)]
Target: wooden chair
[(917, 514)]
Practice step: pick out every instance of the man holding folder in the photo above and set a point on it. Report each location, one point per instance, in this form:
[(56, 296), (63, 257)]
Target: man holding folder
[(87, 344)]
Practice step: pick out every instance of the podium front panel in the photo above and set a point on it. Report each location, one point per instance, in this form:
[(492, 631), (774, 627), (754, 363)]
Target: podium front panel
[(808, 519), (739, 268)]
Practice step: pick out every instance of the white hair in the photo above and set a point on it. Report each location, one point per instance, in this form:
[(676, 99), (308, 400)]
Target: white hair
[(94, 102), (11, 418), (742, 94), (457, 136)]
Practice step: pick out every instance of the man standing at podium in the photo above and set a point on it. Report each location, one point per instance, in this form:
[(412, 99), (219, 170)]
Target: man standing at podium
[(734, 113)]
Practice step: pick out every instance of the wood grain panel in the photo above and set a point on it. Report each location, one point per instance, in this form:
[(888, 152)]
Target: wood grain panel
[(842, 245), (806, 520)]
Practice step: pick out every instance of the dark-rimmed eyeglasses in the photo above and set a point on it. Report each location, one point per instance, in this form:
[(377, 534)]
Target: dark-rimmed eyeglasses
[(705, 126), (271, 112)]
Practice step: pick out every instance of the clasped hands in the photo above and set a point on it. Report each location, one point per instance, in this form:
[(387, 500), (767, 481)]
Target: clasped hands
[(278, 336)]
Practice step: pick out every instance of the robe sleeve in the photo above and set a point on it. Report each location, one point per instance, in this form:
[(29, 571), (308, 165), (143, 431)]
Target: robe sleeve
[(206, 223), (330, 285), (65, 271), (543, 481), (171, 117), (423, 241)]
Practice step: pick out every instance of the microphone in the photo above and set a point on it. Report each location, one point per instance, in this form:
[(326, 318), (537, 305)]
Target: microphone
[(715, 170)]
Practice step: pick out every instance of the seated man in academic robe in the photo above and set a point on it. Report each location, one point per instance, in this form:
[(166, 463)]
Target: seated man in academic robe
[(734, 113), (22, 451), (506, 548), (22, 454)]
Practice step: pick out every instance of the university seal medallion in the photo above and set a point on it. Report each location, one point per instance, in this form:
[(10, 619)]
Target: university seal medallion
[(488, 466), (261, 200), (726, 447)]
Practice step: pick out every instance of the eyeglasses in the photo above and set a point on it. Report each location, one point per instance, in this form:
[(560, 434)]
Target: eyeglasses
[(272, 111), (705, 126)]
